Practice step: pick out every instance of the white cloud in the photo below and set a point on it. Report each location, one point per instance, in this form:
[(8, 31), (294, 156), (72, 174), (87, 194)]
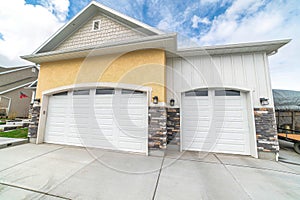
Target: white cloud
[(59, 7), (248, 21), (24, 28), (196, 20)]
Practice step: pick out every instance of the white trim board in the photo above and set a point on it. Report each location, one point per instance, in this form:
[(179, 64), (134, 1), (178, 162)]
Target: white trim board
[(15, 70), (12, 89)]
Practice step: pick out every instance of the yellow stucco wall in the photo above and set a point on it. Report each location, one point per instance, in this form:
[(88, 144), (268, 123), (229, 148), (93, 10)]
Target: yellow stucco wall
[(142, 67)]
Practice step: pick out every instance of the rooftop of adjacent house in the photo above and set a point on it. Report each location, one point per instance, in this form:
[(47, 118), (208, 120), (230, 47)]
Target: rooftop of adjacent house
[(17, 77), (286, 100)]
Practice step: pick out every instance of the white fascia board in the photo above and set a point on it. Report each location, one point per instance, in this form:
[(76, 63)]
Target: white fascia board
[(166, 41), (15, 88), (15, 70), (33, 83), (268, 46)]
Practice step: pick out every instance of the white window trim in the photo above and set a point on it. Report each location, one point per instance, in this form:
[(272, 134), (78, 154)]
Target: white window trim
[(98, 20)]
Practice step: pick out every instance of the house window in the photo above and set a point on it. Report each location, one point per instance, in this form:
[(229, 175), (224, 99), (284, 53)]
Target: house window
[(81, 92), (196, 93), (61, 94), (105, 91), (96, 25), (227, 93), (124, 91)]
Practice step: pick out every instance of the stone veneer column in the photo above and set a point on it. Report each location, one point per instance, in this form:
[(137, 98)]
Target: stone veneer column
[(173, 126), (157, 127), (34, 121), (266, 133)]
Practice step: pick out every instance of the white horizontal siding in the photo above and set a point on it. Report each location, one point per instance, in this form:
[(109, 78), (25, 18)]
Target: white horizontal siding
[(248, 71)]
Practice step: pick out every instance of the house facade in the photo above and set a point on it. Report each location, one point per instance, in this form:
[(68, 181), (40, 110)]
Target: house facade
[(109, 81), (14, 98)]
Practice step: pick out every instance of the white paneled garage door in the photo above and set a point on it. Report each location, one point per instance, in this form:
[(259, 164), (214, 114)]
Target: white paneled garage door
[(215, 121), (104, 118)]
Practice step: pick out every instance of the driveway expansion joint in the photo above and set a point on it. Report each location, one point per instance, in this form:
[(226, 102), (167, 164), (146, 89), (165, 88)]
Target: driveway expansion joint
[(31, 159), (234, 178), (32, 190), (158, 177)]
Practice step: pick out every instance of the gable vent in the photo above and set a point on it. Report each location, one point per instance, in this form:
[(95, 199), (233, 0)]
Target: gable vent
[(96, 25)]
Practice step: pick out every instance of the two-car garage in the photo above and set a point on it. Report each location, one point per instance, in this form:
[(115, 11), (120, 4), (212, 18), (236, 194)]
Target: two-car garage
[(212, 120)]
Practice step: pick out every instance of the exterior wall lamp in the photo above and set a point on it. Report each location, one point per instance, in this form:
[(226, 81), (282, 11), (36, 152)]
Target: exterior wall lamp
[(264, 101), (172, 102), (155, 99)]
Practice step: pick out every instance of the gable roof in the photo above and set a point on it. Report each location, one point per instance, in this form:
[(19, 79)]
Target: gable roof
[(88, 12)]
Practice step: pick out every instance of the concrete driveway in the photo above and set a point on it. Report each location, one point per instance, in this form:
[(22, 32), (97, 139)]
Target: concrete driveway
[(61, 172)]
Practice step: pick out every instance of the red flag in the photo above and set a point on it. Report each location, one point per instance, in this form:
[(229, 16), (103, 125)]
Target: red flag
[(22, 95)]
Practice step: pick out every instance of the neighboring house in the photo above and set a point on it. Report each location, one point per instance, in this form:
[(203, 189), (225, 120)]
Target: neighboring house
[(109, 81), (14, 99), (287, 107)]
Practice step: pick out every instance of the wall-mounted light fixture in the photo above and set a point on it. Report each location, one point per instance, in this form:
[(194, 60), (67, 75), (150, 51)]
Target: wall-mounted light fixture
[(155, 99), (172, 102), (264, 101)]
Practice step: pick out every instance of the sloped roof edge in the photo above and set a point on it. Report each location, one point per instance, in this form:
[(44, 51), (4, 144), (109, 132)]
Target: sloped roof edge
[(270, 47), (75, 23), (163, 41), (18, 69), (12, 89)]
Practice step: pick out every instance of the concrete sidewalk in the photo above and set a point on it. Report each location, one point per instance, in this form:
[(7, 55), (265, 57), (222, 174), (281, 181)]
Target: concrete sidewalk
[(7, 142), (61, 172)]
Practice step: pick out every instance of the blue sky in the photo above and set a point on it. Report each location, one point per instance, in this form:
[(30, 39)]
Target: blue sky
[(197, 22)]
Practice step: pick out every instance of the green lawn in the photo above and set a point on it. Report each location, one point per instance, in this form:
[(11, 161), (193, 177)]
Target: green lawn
[(18, 133)]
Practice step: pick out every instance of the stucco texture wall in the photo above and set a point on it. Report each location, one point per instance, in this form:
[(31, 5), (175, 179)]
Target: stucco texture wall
[(142, 67)]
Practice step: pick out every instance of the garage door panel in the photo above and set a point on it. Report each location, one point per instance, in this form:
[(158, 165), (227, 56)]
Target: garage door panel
[(228, 102), (132, 100), (234, 148), (222, 125), (229, 119), (78, 111), (132, 111), (130, 146), (197, 112), (57, 120), (196, 108), (102, 133), (99, 142), (103, 111), (103, 101), (227, 108), (78, 122), (230, 125), (229, 113), (99, 120)]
